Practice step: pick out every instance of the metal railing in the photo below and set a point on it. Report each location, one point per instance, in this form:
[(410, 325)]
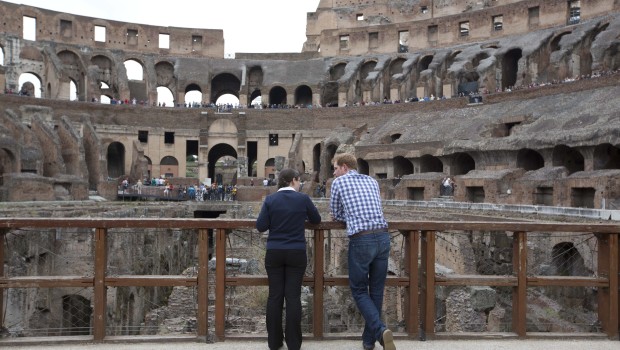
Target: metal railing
[(509, 259)]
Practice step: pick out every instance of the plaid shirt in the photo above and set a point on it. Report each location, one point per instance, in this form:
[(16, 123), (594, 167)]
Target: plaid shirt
[(355, 200)]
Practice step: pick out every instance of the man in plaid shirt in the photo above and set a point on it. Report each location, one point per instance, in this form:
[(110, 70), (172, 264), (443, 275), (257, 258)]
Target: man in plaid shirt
[(355, 200)]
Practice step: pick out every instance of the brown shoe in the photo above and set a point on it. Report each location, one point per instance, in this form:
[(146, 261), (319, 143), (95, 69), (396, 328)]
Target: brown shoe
[(387, 340)]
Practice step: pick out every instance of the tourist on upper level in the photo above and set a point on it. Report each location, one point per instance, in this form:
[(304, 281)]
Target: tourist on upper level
[(355, 200), (284, 214)]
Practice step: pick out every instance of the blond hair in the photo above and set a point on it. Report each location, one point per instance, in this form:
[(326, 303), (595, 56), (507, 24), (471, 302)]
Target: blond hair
[(347, 159)]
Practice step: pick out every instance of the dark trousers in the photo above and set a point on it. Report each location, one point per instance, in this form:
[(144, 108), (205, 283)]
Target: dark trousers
[(285, 271)]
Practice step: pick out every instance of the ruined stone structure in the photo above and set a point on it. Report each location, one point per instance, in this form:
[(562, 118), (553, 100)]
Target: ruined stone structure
[(529, 142)]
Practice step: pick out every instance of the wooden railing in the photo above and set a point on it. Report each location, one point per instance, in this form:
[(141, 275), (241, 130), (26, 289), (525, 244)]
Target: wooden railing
[(419, 278)]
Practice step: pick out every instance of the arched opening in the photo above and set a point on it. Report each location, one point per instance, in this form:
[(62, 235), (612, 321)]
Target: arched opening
[(567, 260), (164, 97), (510, 68), (396, 67), (402, 166), (228, 100), (424, 63), (606, 156), (330, 94), (363, 167), (29, 85), (225, 84), (316, 161), (1, 56), (256, 99), (169, 166), (303, 96), (116, 160), (328, 165), (226, 170), (135, 70), (430, 164), (164, 72), (73, 91), (367, 68), (270, 168), (554, 44), (193, 96), (8, 163), (569, 158), (277, 96), (337, 71), (463, 163), (529, 159), (76, 315), (215, 153)]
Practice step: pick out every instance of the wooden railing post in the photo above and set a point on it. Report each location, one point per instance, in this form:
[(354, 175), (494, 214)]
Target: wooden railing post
[(519, 293), (608, 297), (319, 282), (2, 247), (412, 243), (203, 283), (220, 284), (428, 284), (99, 293)]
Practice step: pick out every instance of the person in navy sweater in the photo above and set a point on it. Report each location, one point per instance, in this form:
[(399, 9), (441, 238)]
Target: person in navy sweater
[(284, 214)]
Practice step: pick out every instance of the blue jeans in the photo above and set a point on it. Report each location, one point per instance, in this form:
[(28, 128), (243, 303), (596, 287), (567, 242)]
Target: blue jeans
[(368, 264)]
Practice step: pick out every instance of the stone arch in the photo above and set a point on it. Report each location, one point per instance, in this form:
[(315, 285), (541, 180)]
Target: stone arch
[(223, 84), (366, 68), (529, 159), (462, 164), (569, 158), (76, 315), (303, 95), (149, 167), (424, 63), (277, 96), (216, 152), (567, 261), (135, 69), (402, 166), (73, 68), (396, 67), (164, 73), (270, 168), (116, 159), (169, 166), (327, 157), (606, 156), (256, 98), (330, 94), (193, 93), (8, 163), (430, 164), (554, 44), (316, 161), (510, 67), (337, 71), (255, 77), (30, 84), (363, 167), (165, 97), (475, 62)]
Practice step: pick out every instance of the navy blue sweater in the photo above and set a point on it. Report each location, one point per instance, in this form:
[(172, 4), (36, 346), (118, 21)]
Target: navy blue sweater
[(284, 214)]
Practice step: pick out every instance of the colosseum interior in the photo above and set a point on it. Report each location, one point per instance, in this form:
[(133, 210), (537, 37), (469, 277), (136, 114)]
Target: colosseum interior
[(521, 109)]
